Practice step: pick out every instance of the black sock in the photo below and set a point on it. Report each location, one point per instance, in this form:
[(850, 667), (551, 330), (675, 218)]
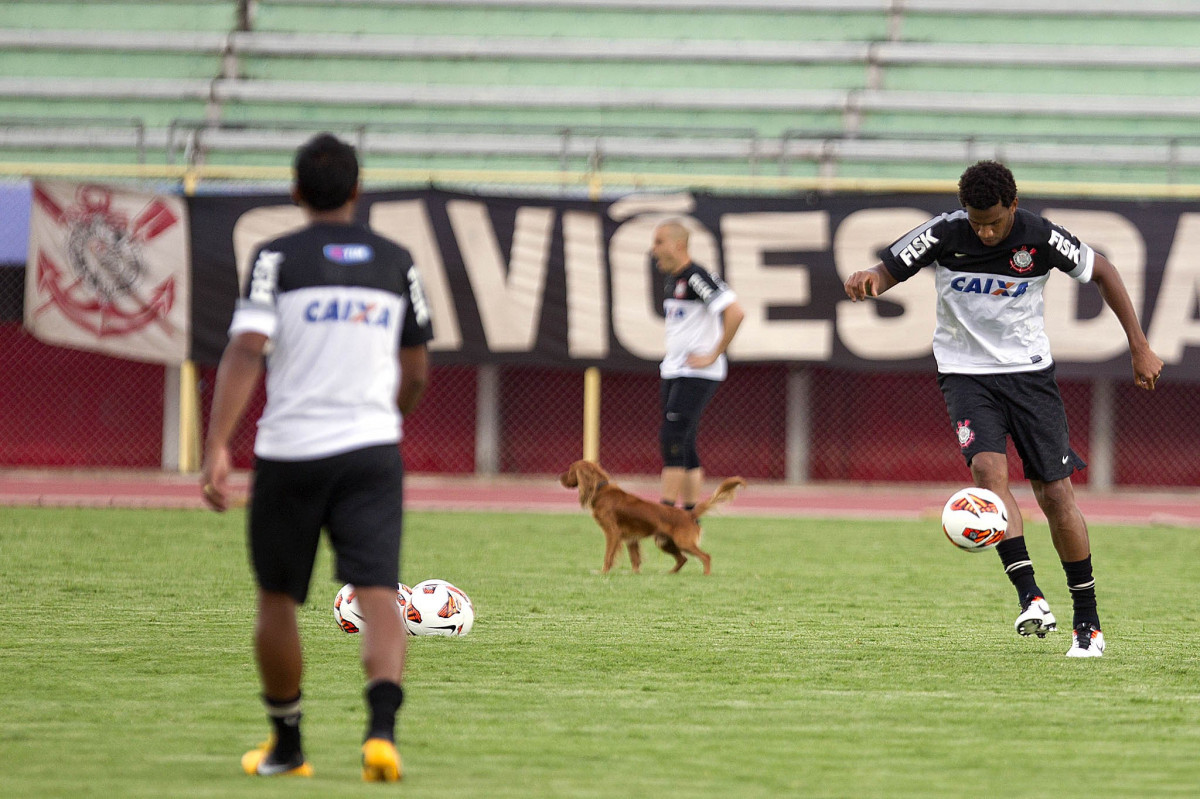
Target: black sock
[(1083, 591), (384, 698), (285, 717), (1019, 568)]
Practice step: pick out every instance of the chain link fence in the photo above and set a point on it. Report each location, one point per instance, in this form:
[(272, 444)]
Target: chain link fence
[(64, 407), (790, 423)]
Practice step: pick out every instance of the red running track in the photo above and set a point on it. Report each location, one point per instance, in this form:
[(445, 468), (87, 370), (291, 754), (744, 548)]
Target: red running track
[(72, 488)]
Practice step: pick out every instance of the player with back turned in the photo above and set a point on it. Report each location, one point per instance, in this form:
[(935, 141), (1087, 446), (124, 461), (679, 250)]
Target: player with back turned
[(340, 317), (991, 260)]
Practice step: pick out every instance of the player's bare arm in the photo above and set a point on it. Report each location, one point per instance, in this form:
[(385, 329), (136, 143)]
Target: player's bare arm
[(869, 282), (414, 377), (1146, 365), (732, 318), (237, 377)]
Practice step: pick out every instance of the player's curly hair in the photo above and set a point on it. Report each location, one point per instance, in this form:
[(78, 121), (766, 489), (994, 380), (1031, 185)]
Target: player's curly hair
[(326, 172), (986, 183)]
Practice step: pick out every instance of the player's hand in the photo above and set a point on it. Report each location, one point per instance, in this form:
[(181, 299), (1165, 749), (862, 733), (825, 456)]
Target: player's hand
[(862, 284), (214, 478), (1147, 367), (699, 360)]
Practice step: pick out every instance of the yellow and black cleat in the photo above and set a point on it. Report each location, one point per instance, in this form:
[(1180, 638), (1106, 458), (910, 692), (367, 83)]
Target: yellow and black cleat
[(255, 763), (380, 761)]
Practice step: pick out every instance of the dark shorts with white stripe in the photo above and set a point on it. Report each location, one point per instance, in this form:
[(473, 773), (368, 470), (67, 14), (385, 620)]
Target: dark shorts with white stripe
[(357, 496), (1026, 406)]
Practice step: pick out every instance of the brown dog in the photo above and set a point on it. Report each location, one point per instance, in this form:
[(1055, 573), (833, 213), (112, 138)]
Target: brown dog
[(624, 517)]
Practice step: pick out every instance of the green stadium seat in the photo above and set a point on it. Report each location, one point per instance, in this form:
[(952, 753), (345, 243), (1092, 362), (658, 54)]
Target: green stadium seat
[(786, 87)]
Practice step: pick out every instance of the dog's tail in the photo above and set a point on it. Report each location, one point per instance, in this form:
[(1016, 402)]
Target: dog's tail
[(724, 493)]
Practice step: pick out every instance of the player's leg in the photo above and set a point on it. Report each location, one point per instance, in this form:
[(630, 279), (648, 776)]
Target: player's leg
[(1069, 532), (693, 472), (695, 394), (383, 652), (671, 484), (365, 526), (280, 665), (990, 471), (1042, 437), (1068, 529), (284, 521), (977, 412), (669, 443), (693, 484), (277, 645)]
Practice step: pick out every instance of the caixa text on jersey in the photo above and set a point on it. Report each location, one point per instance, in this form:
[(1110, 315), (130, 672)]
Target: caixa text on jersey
[(349, 311)]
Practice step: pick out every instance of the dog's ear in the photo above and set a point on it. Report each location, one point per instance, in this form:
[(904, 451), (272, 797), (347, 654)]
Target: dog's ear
[(587, 479)]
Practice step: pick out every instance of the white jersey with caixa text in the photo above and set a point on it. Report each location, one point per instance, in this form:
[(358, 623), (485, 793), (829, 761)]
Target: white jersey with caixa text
[(337, 303), (990, 306), (694, 301)]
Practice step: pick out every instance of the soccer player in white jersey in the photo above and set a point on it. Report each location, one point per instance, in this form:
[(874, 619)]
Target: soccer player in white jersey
[(991, 260), (347, 325), (702, 317)]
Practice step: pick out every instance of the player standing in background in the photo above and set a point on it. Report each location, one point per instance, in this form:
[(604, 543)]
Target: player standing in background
[(991, 261), (702, 317), (339, 314)]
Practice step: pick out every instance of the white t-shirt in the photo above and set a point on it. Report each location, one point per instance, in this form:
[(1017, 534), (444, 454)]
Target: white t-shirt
[(990, 311), (337, 303), (695, 300)]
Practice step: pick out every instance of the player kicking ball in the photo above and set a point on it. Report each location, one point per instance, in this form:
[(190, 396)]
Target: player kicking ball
[(991, 261)]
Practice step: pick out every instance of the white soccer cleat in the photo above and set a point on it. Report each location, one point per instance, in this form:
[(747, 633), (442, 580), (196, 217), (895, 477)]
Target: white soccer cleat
[(1086, 642), (1036, 619)]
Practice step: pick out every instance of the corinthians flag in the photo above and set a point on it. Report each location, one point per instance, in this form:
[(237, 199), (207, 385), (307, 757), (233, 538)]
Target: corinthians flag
[(108, 270)]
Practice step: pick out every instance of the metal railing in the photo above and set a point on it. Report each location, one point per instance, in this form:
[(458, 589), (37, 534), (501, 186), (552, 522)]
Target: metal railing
[(189, 142)]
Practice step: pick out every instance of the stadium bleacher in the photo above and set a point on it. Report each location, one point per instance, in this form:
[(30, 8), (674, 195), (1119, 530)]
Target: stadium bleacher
[(863, 88)]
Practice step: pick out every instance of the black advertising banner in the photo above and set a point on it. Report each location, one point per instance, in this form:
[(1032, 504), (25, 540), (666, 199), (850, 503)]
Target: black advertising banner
[(529, 280)]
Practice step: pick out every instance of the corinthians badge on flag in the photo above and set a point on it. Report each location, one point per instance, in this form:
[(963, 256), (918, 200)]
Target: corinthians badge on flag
[(108, 271)]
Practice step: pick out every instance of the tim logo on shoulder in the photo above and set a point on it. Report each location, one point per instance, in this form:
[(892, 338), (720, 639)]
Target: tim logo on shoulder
[(349, 254)]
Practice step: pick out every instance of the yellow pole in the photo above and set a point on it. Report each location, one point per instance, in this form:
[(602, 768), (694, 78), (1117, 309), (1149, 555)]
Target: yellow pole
[(591, 414), (190, 181), (595, 186), (189, 418), (189, 391)]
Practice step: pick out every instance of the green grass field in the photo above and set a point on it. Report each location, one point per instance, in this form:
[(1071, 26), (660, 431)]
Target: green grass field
[(821, 659)]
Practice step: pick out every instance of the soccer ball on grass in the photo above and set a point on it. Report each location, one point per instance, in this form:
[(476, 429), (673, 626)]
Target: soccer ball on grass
[(438, 608), (974, 519), (348, 614)]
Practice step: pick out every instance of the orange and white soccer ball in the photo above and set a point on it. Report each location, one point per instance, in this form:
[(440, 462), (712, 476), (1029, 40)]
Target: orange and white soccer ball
[(975, 519), (438, 608), (348, 614)]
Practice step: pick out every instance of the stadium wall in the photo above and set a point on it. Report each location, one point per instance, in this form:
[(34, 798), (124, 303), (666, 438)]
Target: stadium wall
[(65, 408)]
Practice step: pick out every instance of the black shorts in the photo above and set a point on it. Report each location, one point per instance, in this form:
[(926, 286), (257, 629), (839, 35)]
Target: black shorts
[(1027, 406), (682, 401), (357, 496)]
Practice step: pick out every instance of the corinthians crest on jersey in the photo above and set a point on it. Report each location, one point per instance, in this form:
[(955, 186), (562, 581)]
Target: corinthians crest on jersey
[(1022, 260), (990, 302)]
